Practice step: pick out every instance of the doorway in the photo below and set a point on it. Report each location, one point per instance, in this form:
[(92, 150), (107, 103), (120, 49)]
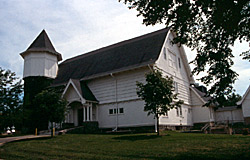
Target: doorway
[(80, 116)]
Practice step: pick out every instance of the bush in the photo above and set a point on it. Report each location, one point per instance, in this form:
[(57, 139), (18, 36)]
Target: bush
[(245, 131), (67, 125), (91, 127)]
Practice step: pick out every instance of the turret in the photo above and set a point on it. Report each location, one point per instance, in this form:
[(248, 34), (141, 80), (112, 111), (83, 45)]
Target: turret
[(41, 58), (40, 69)]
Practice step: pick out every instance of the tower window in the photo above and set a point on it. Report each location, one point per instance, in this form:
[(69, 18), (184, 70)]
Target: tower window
[(165, 53), (179, 62)]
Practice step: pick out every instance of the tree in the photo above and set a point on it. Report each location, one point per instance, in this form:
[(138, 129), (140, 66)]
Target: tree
[(233, 99), (210, 27), (158, 94), (49, 106), (11, 91)]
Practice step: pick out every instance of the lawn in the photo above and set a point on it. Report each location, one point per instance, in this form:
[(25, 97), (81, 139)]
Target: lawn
[(171, 145)]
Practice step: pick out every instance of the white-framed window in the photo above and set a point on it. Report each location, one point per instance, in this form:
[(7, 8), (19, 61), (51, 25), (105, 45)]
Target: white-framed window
[(165, 53), (172, 59), (179, 62), (178, 111), (113, 111), (121, 110)]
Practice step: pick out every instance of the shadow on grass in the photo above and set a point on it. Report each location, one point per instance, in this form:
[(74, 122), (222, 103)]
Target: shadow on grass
[(137, 137)]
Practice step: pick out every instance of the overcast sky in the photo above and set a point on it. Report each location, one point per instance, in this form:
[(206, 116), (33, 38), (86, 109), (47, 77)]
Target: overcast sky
[(78, 26)]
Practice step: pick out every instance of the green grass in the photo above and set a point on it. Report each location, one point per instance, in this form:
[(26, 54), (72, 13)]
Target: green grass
[(131, 146)]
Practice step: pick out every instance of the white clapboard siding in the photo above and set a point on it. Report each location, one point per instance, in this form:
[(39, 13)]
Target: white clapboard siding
[(246, 106), (195, 100), (231, 115), (104, 88), (133, 116), (178, 72), (40, 64), (172, 119)]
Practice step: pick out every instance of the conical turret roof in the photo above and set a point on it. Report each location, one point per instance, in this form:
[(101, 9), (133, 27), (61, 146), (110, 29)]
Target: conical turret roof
[(42, 44)]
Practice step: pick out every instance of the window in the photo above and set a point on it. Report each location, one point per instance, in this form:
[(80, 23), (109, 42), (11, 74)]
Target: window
[(110, 111), (177, 111), (121, 111), (180, 111), (114, 111), (165, 53), (179, 62), (189, 110), (172, 60)]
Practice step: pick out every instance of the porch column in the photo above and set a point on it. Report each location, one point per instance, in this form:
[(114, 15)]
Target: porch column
[(87, 113), (84, 117), (91, 112)]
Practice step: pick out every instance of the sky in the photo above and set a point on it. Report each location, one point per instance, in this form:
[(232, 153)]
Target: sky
[(79, 26)]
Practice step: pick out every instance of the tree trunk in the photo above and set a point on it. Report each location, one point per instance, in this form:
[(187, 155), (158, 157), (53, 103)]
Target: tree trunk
[(51, 129), (157, 125)]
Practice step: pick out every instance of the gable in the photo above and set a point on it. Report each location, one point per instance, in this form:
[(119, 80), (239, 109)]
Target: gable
[(71, 94), (245, 96), (196, 99), (122, 56), (173, 60)]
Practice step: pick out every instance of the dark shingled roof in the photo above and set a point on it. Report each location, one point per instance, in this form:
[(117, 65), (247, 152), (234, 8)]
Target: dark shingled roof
[(42, 44), (202, 94), (125, 55), (84, 90)]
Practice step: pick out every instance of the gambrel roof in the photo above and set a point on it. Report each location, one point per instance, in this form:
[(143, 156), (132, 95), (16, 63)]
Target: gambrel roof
[(129, 54)]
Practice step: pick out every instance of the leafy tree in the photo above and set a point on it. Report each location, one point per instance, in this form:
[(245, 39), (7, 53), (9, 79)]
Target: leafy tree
[(49, 106), (232, 100), (158, 94), (11, 90), (210, 27)]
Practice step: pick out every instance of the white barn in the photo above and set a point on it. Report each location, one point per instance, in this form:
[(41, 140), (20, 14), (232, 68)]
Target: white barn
[(100, 86)]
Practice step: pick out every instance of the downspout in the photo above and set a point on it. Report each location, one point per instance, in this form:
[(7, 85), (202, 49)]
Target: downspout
[(116, 99)]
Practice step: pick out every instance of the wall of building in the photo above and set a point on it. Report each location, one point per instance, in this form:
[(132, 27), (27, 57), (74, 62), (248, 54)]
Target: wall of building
[(122, 85), (133, 115), (246, 106), (172, 64), (232, 116), (40, 64), (182, 118), (201, 114), (104, 88)]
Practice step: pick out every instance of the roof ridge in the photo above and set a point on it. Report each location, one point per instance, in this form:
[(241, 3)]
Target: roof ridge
[(131, 40)]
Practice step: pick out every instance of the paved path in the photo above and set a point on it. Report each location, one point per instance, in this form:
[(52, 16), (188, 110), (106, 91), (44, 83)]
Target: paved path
[(11, 139)]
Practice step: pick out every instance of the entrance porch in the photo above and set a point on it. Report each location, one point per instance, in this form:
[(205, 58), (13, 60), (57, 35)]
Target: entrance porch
[(79, 113)]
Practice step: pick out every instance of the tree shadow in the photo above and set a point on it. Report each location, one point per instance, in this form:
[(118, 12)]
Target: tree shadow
[(137, 137)]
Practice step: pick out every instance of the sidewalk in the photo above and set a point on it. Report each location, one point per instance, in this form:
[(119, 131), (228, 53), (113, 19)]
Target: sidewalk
[(11, 139)]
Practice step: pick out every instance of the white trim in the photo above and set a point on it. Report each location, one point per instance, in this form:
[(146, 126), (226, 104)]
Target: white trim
[(78, 93), (244, 96)]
